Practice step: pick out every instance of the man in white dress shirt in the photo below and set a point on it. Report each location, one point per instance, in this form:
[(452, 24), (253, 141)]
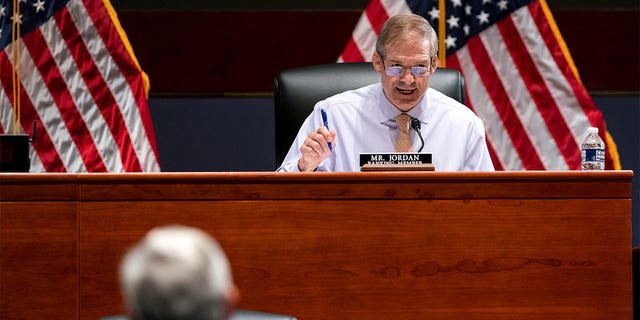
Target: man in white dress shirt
[(362, 120)]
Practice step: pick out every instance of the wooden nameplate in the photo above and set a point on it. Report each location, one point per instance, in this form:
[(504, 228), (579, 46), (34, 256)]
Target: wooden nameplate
[(398, 167), (399, 161)]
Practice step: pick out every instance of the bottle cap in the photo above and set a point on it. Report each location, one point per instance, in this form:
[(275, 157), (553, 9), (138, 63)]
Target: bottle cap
[(592, 130)]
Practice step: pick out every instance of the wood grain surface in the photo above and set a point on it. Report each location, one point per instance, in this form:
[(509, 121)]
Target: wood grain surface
[(510, 245)]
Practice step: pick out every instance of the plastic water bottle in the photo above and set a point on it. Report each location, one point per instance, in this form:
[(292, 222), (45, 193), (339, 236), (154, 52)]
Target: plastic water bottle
[(592, 151)]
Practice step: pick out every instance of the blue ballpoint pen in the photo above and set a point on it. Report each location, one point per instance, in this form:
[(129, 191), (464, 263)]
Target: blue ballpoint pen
[(325, 122)]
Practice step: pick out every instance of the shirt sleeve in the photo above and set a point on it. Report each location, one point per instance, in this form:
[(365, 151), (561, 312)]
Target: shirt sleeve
[(290, 162), (477, 157), (291, 166)]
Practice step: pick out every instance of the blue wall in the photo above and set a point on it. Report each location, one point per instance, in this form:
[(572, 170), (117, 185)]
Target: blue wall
[(622, 115), (214, 134), (237, 134)]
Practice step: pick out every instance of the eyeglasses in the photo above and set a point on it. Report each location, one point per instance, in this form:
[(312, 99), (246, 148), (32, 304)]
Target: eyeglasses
[(395, 71)]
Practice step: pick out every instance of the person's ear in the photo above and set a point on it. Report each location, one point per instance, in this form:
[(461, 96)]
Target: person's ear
[(377, 62), (435, 62), (231, 299), (232, 296)]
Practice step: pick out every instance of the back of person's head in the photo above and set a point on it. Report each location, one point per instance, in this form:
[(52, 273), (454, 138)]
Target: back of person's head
[(177, 273), (406, 26)]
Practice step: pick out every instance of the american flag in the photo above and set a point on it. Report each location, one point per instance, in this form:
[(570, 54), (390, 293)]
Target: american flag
[(81, 84), (519, 76)]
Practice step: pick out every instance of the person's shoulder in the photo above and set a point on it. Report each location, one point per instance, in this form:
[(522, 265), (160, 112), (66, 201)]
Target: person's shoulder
[(352, 100), (442, 101), (356, 95)]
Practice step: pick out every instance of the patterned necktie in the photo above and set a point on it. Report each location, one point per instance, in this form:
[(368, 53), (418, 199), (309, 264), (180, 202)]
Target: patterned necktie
[(404, 143)]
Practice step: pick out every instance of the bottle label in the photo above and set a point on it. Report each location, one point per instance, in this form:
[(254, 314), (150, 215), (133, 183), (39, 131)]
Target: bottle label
[(593, 155)]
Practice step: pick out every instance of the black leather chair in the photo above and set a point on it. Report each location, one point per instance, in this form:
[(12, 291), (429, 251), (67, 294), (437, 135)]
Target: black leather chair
[(297, 90), (235, 315)]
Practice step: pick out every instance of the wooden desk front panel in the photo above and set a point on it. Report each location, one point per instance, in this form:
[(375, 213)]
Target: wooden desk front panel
[(38, 269), (503, 245), (389, 259)]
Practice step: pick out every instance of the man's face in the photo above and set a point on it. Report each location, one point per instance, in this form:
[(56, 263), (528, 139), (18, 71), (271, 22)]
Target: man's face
[(406, 89)]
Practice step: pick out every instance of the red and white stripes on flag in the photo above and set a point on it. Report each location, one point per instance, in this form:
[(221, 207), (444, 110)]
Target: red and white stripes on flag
[(84, 88), (519, 76)]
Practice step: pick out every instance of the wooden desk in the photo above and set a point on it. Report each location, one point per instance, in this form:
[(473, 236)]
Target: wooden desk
[(402, 245)]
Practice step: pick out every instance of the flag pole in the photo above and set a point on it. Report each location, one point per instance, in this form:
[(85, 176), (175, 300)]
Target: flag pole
[(441, 35), (15, 69)]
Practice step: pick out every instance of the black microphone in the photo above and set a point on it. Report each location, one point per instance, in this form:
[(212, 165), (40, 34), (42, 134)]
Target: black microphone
[(415, 124)]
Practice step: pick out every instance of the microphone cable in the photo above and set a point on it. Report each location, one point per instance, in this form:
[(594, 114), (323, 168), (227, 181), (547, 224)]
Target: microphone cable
[(415, 124)]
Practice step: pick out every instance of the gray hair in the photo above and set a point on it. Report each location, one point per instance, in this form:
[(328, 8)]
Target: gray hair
[(406, 25), (175, 273)]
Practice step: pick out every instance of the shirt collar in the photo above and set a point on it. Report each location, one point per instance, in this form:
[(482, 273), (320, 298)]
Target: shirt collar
[(389, 111)]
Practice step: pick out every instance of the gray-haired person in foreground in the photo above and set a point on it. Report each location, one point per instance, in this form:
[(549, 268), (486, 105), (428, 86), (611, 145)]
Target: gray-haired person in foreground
[(177, 272)]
